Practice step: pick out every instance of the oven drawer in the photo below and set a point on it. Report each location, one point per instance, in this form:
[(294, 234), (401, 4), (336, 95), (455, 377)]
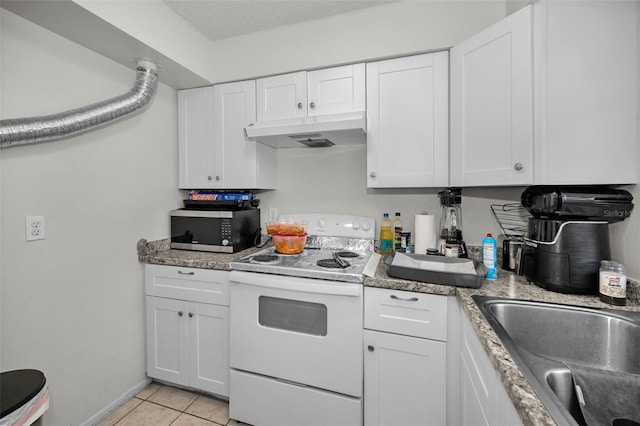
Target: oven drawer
[(405, 312), (259, 400), (191, 284)]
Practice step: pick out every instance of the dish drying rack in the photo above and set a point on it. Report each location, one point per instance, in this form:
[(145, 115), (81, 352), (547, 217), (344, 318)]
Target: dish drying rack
[(512, 219)]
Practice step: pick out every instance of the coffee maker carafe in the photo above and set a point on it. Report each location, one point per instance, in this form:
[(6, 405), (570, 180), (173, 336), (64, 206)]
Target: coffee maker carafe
[(568, 235), (450, 241)]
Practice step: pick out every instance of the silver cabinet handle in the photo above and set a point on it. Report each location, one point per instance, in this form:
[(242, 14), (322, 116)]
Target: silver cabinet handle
[(209, 177), (373, 174), (299, 105), (190, 314), (186, 273), (180, 313), (518, 166), (370, 348), (217, 177), (412, 299), (312, 105)]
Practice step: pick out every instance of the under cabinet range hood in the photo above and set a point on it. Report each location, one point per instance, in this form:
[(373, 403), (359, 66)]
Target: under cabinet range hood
[(313, 132)]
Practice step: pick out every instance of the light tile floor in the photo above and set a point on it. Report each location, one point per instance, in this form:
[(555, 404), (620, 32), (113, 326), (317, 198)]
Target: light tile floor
[(160, 405)]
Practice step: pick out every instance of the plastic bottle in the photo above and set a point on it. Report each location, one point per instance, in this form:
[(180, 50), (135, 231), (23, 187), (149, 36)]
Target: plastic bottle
[(386, 235), (397, 232), (489, 256)]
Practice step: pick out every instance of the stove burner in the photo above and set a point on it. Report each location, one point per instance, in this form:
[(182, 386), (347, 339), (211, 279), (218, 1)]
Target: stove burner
[(331, 263), (347, 254), (265, 258)]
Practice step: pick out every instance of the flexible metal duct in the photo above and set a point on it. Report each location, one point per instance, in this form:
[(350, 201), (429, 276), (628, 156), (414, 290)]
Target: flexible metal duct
[(22, 131)]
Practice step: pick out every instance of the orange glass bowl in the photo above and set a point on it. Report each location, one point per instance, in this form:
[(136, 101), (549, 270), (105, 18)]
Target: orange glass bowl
[(289, 244)]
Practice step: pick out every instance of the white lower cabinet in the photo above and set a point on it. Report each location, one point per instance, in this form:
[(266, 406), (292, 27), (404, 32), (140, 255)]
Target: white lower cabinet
[(405, 376), (187, 340), (483, 399)]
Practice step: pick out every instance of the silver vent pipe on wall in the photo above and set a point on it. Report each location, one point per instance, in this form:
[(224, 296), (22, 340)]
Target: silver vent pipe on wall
[(22, 131)]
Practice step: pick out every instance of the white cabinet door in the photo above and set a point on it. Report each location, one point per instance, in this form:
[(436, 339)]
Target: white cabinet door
[(491, 105), (405, 380), (214, 152), (209, 347), (336, 90), (586, 102), (238, 159), (483, 400), (319, 92), (167, 353), (407, 121), (282, 96), (195, 138)]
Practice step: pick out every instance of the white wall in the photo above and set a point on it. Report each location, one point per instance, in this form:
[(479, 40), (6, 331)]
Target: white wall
[(390, 30), (72, 305)]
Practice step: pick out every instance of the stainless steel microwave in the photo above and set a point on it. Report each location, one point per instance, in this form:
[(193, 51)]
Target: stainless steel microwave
[(222, 231)]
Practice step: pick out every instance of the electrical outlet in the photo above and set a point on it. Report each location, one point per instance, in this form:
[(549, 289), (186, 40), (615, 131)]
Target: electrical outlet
[(35, 228), (273, 214)]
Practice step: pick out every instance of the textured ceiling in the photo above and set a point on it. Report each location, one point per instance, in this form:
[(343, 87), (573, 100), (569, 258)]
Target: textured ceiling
[(219, 19)]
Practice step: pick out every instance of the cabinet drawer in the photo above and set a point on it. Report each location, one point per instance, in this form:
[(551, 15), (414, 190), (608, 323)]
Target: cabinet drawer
[(192, 284), (405, 312)]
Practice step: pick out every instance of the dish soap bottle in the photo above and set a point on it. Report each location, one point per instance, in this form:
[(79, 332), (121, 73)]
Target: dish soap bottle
[(489, 257), (397, 232), (386, 235)]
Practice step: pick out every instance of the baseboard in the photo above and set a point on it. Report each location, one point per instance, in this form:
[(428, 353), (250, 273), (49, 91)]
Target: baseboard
[(115, 404)]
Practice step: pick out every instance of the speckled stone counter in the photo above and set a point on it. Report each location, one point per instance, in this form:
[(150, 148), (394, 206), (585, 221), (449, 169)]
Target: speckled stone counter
[(508, 285), (159, 252)]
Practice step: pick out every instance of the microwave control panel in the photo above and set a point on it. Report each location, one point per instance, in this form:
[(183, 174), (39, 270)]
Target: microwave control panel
[(226, 232)]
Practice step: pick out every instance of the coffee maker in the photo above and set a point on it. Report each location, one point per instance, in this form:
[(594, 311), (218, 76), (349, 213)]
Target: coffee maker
[(568, 235)]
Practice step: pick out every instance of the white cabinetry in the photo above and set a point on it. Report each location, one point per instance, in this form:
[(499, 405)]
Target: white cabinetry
[(214, 152), (483, 399), (309, 93), (187, 314), (542, 97), (408, 121), (491, 104), (404, 358)]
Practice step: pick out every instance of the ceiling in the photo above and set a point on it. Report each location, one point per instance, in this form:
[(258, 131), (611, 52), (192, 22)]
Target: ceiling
[(220, 19)]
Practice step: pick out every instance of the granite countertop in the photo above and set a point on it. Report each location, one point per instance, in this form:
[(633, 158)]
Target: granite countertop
[(508, 285)]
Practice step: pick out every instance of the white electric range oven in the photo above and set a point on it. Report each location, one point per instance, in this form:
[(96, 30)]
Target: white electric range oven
[(296, 349)]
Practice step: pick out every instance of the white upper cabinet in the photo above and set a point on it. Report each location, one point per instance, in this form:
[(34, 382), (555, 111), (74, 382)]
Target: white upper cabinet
[(214, 152), (586, 99), (309, 93), (491, 105), (548, 96), (407, 121)]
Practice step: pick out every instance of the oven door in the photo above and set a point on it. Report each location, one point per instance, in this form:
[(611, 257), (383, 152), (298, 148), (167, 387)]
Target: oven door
[(306, 331)]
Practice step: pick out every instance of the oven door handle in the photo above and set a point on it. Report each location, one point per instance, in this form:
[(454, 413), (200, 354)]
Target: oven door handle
[(302, 285)]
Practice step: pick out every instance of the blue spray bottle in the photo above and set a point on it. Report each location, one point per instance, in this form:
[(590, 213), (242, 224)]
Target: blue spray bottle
[(490, 256)]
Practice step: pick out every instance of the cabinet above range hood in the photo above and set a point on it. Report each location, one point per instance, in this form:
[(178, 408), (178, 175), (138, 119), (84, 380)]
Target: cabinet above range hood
[(313, 131)]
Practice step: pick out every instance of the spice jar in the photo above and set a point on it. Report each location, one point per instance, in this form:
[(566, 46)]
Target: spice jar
[(613, 283)]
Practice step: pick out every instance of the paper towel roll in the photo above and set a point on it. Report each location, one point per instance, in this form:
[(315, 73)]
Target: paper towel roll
[(425, 233)]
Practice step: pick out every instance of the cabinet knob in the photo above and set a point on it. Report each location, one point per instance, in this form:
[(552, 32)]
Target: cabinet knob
[(299, 105), (217, 177), (312, 105), (209, 177), (517, 167), (373, 175), (190, 314), (370, 348), (180, 313)]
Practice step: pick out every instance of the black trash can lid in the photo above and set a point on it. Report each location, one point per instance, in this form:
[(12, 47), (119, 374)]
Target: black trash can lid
[(18, 387)]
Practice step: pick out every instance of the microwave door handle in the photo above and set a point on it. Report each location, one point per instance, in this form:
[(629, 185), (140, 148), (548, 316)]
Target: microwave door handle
[(301, 285)]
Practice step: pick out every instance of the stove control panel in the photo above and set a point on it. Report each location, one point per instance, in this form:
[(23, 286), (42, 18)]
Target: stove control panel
[(335, 225)]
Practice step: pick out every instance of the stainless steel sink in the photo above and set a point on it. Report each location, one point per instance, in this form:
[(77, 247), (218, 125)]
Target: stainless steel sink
[(541, 337)]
